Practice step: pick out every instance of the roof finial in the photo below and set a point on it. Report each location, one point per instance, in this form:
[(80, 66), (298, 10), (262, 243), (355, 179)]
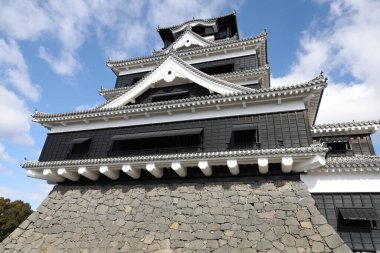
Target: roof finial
[(234, 11), (193, 17)]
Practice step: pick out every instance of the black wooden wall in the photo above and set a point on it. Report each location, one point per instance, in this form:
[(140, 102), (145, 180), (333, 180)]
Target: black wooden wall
[(194, 90), (291, 129), (361, 241)]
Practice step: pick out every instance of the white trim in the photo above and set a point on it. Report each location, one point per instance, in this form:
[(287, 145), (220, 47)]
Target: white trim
[(245, 82), (342, 182), (236, 110), (187, 40), (195, 23), (194, 59), (168, 71)]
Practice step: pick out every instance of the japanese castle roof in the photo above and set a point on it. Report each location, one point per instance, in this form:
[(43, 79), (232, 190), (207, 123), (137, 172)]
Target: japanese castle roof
[(346, 127), (208, 20), (315, 86), (188, 52), (350, 164), (248, 73)]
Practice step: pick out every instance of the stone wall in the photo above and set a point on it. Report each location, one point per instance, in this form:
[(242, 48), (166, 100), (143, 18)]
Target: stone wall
[(264, 216)]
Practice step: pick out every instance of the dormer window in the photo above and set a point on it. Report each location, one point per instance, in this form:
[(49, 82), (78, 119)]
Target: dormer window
[(79, 147), (339, 146), (170, 96), (357, 219), (227, 68), (245, 136)]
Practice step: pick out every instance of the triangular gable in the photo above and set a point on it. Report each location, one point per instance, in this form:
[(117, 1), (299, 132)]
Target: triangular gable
[(171, 69), (188, 39)]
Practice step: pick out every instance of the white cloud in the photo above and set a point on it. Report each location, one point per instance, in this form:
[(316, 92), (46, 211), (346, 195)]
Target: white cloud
[(14, 118), (14, 71), (346, 48), (16, 17)]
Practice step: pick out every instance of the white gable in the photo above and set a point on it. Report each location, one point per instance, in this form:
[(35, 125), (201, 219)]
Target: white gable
[(190, 39), (174, 71)]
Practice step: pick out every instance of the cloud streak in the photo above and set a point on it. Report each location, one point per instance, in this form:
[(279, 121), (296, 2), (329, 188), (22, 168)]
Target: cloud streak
[(346, 48)]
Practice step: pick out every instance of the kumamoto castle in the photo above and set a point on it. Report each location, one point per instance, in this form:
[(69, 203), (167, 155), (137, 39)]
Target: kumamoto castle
[(194, 151)]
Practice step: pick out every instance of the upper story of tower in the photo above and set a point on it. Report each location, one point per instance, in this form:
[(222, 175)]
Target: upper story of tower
[(210, 45), (212, 29)]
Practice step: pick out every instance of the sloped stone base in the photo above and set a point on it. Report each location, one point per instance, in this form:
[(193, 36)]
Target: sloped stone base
[(263, 216)]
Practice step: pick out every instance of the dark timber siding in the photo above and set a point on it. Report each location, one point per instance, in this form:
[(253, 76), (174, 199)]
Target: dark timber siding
[(194, 91), (327, 204), (127, 80), (289, 127), (240, 63)]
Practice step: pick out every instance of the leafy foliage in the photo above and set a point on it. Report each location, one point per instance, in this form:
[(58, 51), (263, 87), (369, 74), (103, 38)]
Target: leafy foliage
[(12, 214)]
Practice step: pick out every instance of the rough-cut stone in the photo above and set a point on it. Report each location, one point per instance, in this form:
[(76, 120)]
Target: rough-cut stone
[(264, 216)]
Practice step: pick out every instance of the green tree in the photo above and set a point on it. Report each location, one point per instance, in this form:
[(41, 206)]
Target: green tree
[(12, 214)]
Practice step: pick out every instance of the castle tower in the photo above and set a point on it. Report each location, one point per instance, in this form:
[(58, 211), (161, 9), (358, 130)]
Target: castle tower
[(194, 151)]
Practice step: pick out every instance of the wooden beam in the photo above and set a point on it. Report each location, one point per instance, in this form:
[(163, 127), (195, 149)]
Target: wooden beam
[(73, 176), (286, 164), (233, 166), (52, 175), (205, 168), (90, 174), (155, 171), (133, 173), (263, 165), (113, 174), (36, 174), (177, 167)]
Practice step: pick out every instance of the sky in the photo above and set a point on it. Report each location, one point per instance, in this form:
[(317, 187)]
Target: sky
[(53, 54)]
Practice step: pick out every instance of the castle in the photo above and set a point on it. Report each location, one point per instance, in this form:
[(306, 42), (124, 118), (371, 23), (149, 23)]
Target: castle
[(194, 151)]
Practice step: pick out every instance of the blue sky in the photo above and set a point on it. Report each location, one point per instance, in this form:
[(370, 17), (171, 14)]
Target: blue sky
[(53, 54)]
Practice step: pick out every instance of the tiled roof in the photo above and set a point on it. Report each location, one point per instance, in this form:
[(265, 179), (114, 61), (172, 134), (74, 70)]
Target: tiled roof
[(346, 124), (225, 44), (313, 149), (254, 94), (358, 161), (191, 68), (192, 20), (224, 76)]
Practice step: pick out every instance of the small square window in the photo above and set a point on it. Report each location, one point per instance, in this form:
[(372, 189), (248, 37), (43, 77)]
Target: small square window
[(79, 147), (244, 136)]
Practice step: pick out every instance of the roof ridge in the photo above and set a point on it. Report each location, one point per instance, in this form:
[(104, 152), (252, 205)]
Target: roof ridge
[(196, 19), (347, 124), (232, 74), (162, 54), (193, 155), (315, 81)]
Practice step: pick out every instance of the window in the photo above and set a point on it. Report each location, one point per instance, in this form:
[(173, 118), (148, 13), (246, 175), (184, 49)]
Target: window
[(244, 136), (79, 147), (224, 32), (357, 219), (170, 96), (218, 69), (339, 146), (136, 79), (181, 140)]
